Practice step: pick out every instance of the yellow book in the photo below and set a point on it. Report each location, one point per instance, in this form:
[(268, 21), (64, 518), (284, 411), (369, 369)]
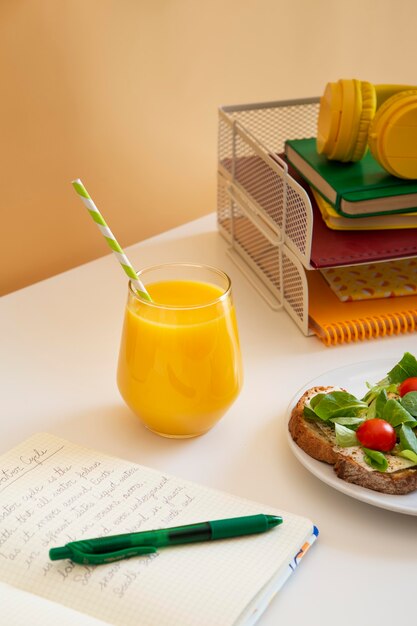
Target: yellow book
[(335, 221)]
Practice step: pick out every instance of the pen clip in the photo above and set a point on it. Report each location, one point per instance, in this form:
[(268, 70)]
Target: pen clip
[(97, 558)]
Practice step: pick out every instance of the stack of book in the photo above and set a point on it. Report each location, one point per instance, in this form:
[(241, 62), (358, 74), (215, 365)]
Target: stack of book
[(363, 245)]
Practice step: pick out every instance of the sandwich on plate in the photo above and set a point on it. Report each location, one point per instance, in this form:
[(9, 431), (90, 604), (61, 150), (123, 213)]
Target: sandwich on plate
[(370, 441)]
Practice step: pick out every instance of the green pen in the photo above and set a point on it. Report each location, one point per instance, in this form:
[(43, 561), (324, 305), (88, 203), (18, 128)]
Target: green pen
[(117, 547)]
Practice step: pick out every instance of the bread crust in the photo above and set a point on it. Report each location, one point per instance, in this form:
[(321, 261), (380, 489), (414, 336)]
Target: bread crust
[(318, 441)]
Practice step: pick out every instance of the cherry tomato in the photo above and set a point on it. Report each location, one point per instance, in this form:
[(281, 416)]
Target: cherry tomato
[(409, 384), (376, 434)]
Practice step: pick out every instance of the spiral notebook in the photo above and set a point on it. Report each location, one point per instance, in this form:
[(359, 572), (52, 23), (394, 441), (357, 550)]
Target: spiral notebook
[(53, 491), (334, 321)]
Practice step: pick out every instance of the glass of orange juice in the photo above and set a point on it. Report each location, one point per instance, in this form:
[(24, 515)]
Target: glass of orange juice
[(179, 365)]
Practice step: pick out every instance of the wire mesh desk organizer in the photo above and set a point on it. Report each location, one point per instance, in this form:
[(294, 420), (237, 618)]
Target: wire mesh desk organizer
[(267, 215)]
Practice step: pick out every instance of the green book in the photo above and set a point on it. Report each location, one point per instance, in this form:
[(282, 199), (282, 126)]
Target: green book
[(358, 189)]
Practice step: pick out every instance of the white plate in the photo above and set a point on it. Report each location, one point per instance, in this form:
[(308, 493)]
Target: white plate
[(352, 378)]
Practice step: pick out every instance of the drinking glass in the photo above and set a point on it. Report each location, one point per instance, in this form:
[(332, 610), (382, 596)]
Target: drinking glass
[(179, 364)]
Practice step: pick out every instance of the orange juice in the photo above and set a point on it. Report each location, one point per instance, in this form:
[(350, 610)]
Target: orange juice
[(179, 364)]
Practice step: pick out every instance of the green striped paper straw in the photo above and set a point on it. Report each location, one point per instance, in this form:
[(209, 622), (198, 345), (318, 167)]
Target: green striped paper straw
[(110, 238)]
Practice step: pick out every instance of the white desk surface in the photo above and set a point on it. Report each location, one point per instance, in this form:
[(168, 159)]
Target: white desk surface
[(59, 348)]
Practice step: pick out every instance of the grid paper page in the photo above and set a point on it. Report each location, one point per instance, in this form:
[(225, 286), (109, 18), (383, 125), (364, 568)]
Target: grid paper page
[(19, 608), (53, 492)]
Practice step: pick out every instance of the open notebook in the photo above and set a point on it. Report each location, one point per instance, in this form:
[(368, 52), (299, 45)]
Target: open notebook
[(52, 492)]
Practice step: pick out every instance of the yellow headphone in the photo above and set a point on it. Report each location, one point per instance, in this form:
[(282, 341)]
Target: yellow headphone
[(355, 114)]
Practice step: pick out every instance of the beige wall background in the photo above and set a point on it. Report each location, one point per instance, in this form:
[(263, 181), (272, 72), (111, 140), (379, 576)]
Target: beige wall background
[(124, 94)]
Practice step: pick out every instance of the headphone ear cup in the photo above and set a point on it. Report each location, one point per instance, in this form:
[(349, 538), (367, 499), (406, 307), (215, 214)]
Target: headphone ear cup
[(329, 118), (392, 136), (346, 109), (367, 115), (350, 117)]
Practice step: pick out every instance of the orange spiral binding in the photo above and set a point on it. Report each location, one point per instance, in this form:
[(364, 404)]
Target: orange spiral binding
[(367, 328)]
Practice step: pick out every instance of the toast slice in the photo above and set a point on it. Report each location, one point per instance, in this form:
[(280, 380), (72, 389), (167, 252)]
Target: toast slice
[(318, 440)]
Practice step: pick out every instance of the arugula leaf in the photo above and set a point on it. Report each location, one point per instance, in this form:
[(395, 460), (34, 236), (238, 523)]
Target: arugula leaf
[(377, 460), (409, 402), (408, 439), (345, 437), (396, 414), (406, 368), (338, 404), (409, 454)]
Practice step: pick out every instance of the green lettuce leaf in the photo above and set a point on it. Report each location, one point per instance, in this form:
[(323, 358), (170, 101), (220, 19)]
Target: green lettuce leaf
[(308, 409), (408, 439), (376, 459), (396, 414), (409, 402), (371, 412), (409, 454), (348, 421), (380, 402), (345, 437), (316, 399), (375, 390), (406, 368), (309, 413), (338, 404)]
